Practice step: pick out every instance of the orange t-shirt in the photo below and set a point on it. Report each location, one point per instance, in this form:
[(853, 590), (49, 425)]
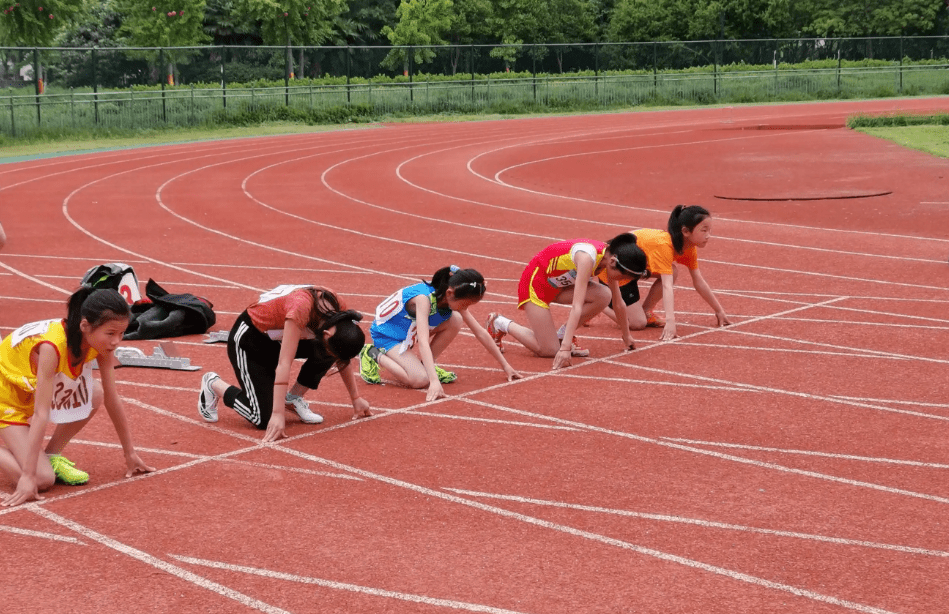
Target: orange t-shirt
[(660, 254)]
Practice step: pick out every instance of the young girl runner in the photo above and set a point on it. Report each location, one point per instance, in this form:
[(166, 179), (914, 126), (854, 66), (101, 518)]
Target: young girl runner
[(285, 323), (689, 228), (46, 376), (396, 328), (565, 273)]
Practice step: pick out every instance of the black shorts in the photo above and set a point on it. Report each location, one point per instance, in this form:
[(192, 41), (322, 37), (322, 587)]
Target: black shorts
[(629, 292)]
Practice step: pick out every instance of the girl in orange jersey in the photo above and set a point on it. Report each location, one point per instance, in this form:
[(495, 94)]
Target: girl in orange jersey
[(46, 376), (285, 323), (689, 228), (565, 273)]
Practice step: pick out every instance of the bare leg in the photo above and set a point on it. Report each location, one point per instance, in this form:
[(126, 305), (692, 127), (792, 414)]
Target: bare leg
[(15, 437), (407, 368)]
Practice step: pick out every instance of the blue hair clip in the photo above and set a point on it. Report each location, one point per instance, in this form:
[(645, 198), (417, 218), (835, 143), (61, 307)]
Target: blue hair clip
[(454, 268)]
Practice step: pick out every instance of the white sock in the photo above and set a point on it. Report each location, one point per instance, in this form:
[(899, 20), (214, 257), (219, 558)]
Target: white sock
[(501, 323), (561, 332)]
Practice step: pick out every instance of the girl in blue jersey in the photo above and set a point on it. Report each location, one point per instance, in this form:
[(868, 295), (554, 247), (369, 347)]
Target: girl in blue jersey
[(396, 328)]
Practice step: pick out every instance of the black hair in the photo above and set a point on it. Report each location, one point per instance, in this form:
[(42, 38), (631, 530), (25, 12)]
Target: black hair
[(96, 307), (349, 338), (630, 258), (685, 217), (467, 283)]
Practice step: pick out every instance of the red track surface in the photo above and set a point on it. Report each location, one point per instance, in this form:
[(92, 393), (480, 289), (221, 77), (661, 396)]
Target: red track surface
[(794, 462)]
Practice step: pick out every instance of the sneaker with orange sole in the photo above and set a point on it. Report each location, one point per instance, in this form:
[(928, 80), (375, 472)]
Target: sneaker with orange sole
[(654, 321)]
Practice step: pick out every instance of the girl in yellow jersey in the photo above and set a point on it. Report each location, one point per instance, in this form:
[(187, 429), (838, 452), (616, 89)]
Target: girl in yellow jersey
[(46, 376), (689, 228)]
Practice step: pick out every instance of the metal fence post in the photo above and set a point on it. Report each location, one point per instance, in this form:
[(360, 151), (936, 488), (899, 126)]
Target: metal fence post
[(95, 83), (161, 75), (192, 103), (534, 73), (223, 76), (471, 68), (411, 70), (12, 118), (655, 67), (596, 71), (901, 63), (36, 84), (349, 72), (72, 107), (286, 77)]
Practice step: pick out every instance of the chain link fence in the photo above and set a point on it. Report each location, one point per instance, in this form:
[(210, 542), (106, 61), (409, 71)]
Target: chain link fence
[(135, 88)]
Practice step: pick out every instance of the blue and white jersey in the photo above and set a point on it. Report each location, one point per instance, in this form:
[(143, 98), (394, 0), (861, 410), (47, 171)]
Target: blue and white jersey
[(394, 326)]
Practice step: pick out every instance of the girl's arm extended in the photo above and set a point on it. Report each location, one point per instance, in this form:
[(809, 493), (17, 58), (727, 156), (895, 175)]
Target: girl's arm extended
[(584, 272), (113, 405), (668, 305), (276, 427), (360, 405), (485, 339), (26, 488), (422, 306), (702, 287), (619, 312)]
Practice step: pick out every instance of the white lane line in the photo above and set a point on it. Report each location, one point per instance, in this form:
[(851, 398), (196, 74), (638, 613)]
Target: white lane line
[(719, 455), (490, 420), (157, 563), (703, 523), (33, 279), (894, 401), (781, 391), (664, 556), (236, 461), (343, 586), (866, 459), (42, 535)]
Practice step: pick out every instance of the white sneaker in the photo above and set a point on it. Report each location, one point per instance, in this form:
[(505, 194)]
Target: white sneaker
[(207, 400), (302, 409)]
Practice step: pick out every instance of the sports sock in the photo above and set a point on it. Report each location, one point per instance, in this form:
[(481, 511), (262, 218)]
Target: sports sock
[(501, 323)]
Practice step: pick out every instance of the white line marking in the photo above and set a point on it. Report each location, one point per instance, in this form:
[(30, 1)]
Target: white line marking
[(148, 559), (41, 534), (664, 556), (703, 523), (868, 459), (343, 586)]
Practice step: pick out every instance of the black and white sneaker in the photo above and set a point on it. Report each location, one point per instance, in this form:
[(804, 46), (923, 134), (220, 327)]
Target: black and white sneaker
[(207, 400)]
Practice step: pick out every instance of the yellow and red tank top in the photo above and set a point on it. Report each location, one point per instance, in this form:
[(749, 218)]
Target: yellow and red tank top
[(557, 260), (72, 386)]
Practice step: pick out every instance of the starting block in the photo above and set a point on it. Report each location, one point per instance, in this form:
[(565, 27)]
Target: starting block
[(217, 336), (165, 356)]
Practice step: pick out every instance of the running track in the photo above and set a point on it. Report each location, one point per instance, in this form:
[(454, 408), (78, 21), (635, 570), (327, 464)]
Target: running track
[(795, 462)]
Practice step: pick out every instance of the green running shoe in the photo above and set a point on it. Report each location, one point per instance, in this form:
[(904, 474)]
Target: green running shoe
[(66, 471), (368, 367), (445, 377)]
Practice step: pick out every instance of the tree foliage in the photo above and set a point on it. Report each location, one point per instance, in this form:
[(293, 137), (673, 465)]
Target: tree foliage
[(35, 23), (282, 22), (421, 22)]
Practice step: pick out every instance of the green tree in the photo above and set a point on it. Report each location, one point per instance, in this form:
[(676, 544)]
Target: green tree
[(163, 23), (470, 25), (421, 22), (35, 23)]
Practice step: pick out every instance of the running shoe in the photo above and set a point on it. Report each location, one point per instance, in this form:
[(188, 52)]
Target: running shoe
[(654, 321), (207, 400), (368, 367), (578, 351), (299, 405), (66, 471), (445, 377), (493, 330)]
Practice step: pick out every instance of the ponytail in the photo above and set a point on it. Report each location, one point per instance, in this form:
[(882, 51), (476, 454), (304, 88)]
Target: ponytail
[(94, 306), (685, 217), (348, 339), (467, 283), (630, 258)]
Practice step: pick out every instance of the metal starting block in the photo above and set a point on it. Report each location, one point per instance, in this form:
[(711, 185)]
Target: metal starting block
[(217, 336), (164, 356)]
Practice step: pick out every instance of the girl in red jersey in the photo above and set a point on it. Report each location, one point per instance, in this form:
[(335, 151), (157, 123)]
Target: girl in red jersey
[(286, 323), (689, 228), (565, 273), (46, 376)]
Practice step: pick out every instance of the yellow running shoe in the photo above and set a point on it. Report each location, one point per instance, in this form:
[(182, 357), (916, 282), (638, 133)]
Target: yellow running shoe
[(66, 471), (445, 377), (368, 367)]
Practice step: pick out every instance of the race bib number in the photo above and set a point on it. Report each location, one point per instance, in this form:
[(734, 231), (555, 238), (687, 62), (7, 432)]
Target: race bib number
[(562, 281), (389, 307), (72, 398), (30, 330)]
